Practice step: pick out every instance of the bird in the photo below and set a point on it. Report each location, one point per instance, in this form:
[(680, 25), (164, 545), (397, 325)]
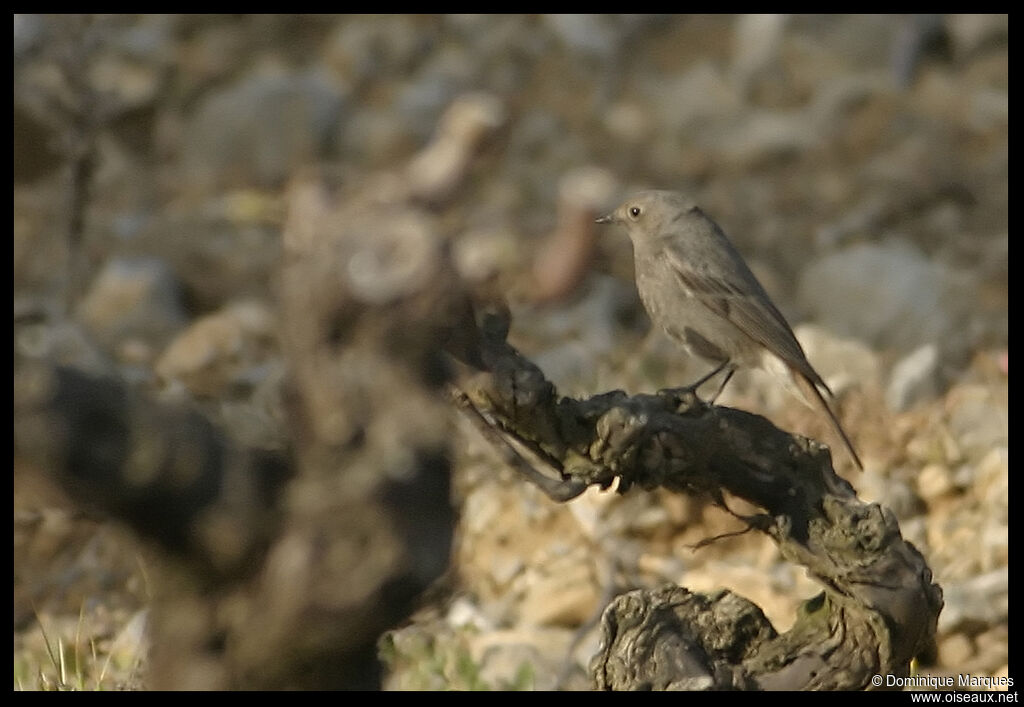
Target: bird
[(696, 286)]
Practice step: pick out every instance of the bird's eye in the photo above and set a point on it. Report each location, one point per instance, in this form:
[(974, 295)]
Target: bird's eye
[(635, 211)]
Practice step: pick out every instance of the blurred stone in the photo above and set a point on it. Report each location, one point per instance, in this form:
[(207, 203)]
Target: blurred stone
[(843, 363), (591, 512), (993, 651), (889, 295), (561, 592), (915, 530), (589, 35), (434, 173), (133, 297), (426, 655), (521, 659), (565, 260), (257, 419), (989, 109), (738, 572), (685, 101), (133, 76), (978, 419), (970, 32), (209, 55), (955, 649), (28, 31), (991, 480), (914, 378), (260, 129), (423, 98), (918, 35), (892, 492), (364, 47), (628, 122), (135, 352), (217, 349), (36, 148), (661, 567), (508, 530), (66, 343), (756, 45), (44, 533), (215, 258), (376, 135), (431, 654), (934, 481), (506, 47), (582, 333), (835, 100), (462, 613), (980, 600), (859, 41), (131, 645), (856, 219), (761, 135), (483, 253), (392, 258)]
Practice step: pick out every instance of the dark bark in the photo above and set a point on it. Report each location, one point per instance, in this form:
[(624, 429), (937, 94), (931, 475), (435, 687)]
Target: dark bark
[(879, 605)]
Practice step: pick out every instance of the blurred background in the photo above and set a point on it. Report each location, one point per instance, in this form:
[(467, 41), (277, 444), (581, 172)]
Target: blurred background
[(860, 163)]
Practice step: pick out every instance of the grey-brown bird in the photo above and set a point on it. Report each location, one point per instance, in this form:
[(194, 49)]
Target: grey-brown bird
[(697, 287)]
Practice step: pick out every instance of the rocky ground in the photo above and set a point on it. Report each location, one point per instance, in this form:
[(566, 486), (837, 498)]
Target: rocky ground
[(859, 162)]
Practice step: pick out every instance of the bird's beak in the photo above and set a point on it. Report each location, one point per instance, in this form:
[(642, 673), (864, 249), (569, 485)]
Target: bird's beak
[(604, 219)]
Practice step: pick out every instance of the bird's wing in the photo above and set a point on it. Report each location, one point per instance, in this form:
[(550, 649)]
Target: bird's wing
[(728, 288)]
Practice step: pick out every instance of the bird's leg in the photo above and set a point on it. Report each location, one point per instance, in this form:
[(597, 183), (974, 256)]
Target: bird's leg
[(732, 369), (709, 376), (692, 388)]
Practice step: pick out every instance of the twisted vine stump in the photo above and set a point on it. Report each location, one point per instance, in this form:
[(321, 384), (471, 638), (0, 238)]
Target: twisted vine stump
[(879, 605)]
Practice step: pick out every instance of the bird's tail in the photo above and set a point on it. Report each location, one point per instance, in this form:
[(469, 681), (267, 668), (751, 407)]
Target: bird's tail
[(811, 392)]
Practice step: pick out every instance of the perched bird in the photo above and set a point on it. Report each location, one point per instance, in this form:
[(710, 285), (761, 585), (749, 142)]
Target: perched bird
[(696, 286)]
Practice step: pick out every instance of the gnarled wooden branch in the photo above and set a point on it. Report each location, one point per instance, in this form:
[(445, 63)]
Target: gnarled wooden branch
[(879, 606)]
